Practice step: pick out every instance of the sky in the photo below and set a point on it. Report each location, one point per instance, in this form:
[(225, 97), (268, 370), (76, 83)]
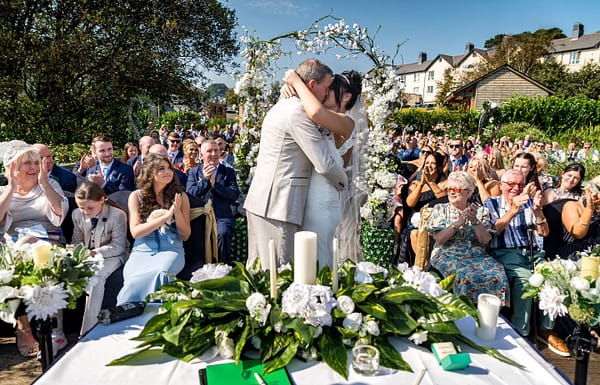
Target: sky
[(433, 27)]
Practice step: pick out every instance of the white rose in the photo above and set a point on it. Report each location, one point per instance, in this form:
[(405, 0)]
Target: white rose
[(536, 280), (569, 265), (418, 337), (373, 328), (580, 284), (353, 321), (256, 300), (6, 276), (345, 304)]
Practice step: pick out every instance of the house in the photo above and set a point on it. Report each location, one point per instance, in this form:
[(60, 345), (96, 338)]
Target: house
[(576, 51), (496, 86), (422, 78)]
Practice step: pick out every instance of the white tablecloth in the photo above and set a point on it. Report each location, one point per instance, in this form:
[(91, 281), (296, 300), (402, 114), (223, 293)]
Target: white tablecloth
[(85, 363)]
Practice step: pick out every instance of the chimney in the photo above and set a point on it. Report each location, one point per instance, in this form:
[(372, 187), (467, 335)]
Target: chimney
[(422, 57), (577, 31), (469, 48)]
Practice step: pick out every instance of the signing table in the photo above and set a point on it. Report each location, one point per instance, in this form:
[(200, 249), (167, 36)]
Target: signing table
[(85, 363)]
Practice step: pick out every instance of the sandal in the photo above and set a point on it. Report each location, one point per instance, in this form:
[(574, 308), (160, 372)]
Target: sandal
[(26, 348)]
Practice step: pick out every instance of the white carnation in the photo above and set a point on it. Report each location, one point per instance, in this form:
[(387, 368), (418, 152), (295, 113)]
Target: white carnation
[(44, 301), (365, 269), (210, 271), (313, 303)]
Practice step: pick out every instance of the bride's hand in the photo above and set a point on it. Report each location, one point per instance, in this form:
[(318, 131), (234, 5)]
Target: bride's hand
[(287, 91), (291, 77)]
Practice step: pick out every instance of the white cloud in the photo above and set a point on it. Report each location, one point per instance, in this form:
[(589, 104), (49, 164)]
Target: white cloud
[(279, 7)]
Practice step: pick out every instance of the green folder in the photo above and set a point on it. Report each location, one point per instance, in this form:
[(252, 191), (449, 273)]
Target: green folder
[(232, 374)]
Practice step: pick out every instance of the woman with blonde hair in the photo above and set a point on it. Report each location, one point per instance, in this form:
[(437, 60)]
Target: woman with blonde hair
[(191, 155), (485, 185)]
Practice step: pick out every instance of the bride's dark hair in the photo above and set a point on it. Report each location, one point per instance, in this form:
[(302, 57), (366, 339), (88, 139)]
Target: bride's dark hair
[(347, 81)]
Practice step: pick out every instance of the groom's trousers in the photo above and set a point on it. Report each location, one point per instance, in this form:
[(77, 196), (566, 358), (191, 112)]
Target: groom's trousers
[(260, 231)]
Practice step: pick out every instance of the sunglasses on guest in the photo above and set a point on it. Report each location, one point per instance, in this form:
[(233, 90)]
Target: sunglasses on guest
[(174, 141), (455, 145), (514, 184), (456, 190)]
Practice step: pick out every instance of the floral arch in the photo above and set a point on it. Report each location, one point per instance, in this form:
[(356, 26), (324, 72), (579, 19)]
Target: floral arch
[(381, 89)]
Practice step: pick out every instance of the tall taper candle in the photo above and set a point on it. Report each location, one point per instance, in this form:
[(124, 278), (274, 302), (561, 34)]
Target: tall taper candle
[(334, 266), (305, 257), (272, 269)]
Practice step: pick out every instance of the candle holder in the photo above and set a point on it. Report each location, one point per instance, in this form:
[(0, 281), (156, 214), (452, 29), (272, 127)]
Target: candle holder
[(365, 360)]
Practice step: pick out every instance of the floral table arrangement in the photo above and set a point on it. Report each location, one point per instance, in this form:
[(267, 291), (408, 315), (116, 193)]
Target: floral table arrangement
[(46, 279), (571, 288), (238, 310)]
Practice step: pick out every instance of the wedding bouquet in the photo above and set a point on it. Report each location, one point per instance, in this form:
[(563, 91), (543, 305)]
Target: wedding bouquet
[(231, 308), (565, 287), (45, 278)]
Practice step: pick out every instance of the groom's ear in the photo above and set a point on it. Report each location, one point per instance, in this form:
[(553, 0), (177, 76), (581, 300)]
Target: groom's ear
[(311, 83)]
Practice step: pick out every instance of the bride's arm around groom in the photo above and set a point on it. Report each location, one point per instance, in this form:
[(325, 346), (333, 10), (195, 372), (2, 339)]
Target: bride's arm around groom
[(291, 146)]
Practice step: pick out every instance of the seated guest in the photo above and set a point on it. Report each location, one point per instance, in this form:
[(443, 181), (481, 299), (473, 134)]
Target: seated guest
[(174, 150), (215, 181), (226, 157), (30, 199), (109, 172), (511, 214), (130, 151), (67, 180), (87, 161), (136, 163), (159, 221), (102, 228), (191, 155), (161, 150), (461, 231), (485, 185), (458, 160), (569, 184), (411, 152), (581, 221)]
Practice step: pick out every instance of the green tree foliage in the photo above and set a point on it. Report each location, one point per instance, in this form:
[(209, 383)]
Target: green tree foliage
[(69, 69), (216, 91), (544, 34)]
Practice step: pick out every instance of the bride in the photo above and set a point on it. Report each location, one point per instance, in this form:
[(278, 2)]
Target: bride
[(323, 209)]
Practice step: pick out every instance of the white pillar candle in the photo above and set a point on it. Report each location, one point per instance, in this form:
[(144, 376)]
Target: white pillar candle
[(488, 307), (589, 267), (335, 262), (305, 257), (272, 269)]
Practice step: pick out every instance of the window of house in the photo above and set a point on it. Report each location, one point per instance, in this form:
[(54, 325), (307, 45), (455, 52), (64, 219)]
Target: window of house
[(416, 77), (403, 78), (574, 57), (430, 75), (429, 89)]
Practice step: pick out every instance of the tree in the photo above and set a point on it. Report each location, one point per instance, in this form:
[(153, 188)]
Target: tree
[(445, 87), (542, 33), (70, 69), (216, 91)]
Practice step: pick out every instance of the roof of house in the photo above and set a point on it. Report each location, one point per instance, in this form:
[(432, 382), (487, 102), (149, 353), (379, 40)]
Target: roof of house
[(588, 41), (414, 67), (501, 68)]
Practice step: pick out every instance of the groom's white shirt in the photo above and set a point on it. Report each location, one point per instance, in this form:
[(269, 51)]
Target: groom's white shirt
[(290, 146)]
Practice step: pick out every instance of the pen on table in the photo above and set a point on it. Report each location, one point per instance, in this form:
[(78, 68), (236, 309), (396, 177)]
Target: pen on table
[(259, 379), (419, 377)]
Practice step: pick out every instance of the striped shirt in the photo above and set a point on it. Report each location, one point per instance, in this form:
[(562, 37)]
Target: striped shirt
[(514, 234)]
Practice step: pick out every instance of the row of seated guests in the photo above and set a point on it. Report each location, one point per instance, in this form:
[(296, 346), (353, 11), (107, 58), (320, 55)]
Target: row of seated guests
[(33, 196), (518, 205)]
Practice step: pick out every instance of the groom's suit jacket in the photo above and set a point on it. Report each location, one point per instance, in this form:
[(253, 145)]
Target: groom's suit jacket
[(290, 146)]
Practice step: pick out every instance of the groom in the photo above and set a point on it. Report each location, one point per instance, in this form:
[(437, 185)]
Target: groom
[(290, 147)]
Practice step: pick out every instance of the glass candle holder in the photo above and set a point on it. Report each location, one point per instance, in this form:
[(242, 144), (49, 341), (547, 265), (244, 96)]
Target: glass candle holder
[(365, 360)]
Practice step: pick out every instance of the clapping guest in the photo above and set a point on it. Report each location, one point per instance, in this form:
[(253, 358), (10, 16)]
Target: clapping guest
[(109, 172), (526, 164), (461, 231), (485, 185), (102, 228), (569, 184), (174, 150), (67, 180), (159, 221), (30, 200), (136, 163)]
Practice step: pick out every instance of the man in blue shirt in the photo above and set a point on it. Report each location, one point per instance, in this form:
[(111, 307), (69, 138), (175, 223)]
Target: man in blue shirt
[(511, 215)]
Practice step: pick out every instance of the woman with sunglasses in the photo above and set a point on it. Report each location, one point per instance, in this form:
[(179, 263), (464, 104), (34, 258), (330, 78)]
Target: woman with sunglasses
[(461, 231)]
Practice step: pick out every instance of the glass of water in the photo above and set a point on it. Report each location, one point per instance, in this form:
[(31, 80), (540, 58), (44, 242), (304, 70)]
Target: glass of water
[(365, 360)]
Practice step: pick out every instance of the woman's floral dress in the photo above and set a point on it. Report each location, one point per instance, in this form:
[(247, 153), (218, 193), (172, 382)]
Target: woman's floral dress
[(476, 271)]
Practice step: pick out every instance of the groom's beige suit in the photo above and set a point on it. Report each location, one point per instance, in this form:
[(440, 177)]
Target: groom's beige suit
[(291, 145)]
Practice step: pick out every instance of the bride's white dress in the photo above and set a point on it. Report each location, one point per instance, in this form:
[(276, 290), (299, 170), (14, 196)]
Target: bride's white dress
[(322, 212)]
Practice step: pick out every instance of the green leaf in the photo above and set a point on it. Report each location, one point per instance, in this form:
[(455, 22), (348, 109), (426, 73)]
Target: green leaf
[(459, 338), (155, 324), (172, 335), (142, 357), (304, 331), (241, 341), (401, 294), (282, 359), (374, 309), (389, 356), (362, 291), (447, 283), (227, 283), (333, 351), (180, 308), (457, 307)]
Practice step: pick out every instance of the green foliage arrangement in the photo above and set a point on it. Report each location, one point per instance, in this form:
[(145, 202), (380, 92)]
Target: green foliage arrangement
[(232, 309), (439, 120)]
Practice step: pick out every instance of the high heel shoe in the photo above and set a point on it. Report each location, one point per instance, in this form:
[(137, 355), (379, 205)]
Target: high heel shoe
[(26, 344)]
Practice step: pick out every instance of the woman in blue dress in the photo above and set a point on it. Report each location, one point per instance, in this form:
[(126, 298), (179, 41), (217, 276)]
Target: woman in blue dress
[(159, 220)]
